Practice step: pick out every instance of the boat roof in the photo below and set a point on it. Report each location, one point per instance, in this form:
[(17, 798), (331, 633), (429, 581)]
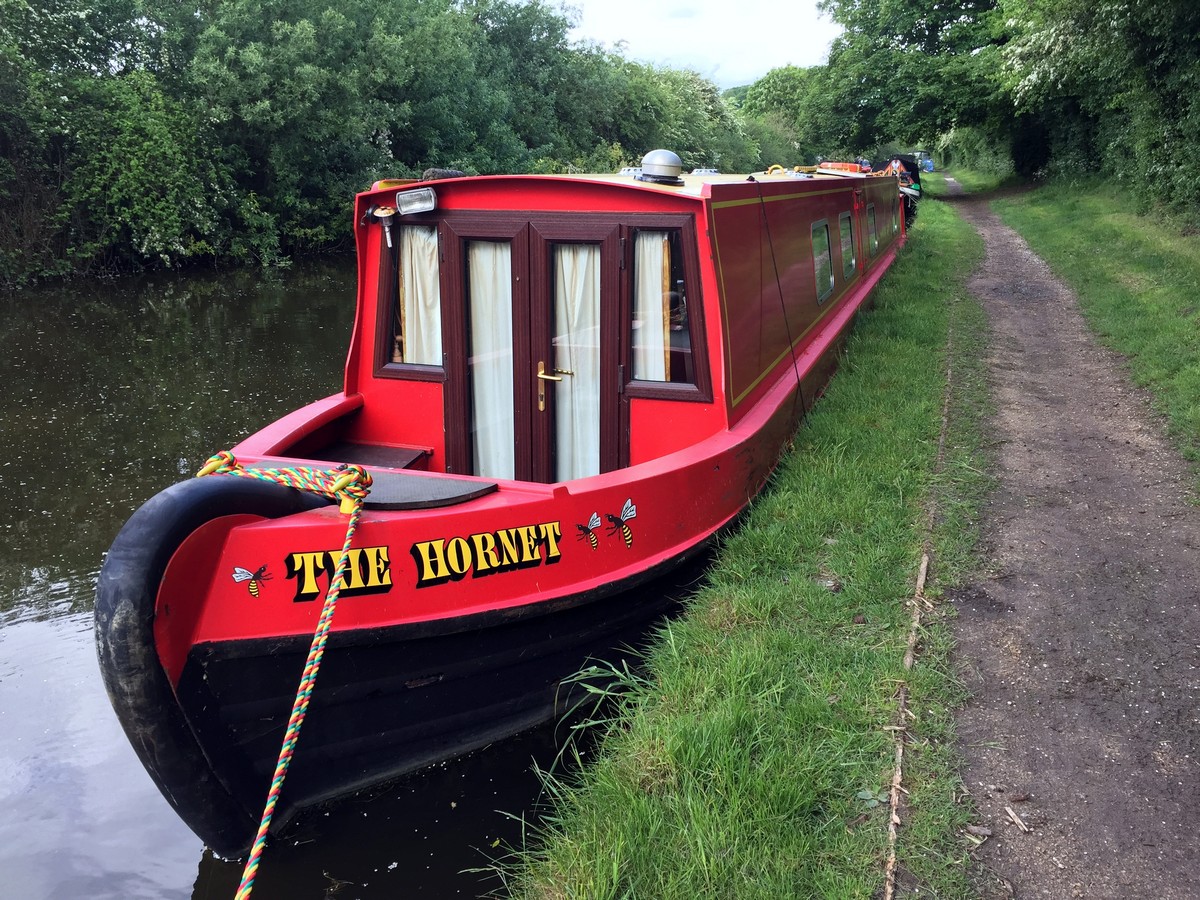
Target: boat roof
[(698, 185)]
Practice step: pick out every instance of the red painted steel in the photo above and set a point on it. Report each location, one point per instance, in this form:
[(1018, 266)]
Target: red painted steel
[(693, 465)]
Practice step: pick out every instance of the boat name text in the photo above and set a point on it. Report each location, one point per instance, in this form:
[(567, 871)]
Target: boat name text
[(486, 553), (368, 571)]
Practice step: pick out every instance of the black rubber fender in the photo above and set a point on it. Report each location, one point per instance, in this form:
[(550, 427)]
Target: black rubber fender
[(137, 685)]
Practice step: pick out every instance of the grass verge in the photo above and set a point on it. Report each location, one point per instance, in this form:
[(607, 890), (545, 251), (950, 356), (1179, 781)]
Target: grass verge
[(933, 184), (750, 758), (1138, 280)]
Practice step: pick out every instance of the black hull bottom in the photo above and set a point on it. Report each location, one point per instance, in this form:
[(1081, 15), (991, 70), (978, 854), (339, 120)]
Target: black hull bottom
[(390, 701)]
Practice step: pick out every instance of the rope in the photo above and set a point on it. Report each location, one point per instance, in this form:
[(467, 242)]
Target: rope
[(349, 485)]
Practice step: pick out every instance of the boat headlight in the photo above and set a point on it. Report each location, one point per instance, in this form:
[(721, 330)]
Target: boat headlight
[(418, 200)]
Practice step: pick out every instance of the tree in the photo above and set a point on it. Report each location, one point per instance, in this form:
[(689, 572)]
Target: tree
[(907, 70)]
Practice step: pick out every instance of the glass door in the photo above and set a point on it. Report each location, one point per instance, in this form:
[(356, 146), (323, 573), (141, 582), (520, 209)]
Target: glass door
[(575, 306), (526, 394)]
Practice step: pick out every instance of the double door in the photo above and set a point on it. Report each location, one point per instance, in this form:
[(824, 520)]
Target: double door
[(532, 377)]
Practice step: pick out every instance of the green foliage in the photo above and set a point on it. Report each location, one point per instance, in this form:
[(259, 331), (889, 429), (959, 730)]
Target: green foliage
[(138, 182), (791, 105), (142, 133), (975, 149), (1112, 87), (1033, 87), (910, 69)]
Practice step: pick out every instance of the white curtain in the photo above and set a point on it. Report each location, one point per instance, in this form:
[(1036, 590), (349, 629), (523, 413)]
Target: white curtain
[(420, 303), (577, 351), (651, 306), (489, 288)]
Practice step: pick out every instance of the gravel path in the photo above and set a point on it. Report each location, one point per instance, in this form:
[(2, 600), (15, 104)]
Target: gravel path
[(1080, 641)]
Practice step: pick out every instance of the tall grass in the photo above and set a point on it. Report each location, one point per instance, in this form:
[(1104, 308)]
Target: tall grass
[(749, 759), (1138, 282)]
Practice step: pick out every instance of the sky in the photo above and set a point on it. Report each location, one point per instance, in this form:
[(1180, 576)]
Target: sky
[(730, 42)]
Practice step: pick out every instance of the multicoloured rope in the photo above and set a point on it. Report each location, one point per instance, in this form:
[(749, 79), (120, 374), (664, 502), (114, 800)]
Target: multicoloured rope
[(346, 483), (349, 485)]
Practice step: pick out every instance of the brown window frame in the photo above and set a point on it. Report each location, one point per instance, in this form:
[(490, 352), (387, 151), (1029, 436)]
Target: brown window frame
[(700, 391), (822, 296), (385, 310)]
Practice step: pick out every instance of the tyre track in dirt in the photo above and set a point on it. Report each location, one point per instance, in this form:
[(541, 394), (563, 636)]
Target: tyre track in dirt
[(1079, 640)]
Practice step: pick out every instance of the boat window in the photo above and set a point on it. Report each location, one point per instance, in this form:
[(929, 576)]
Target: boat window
[(895, 215), (662, 343), (417, 329), (490, 358), (822, 260), (872, 234), (846, 228)]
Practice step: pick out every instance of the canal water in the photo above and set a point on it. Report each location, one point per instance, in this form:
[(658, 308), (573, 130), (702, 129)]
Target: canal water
[(110, 393)]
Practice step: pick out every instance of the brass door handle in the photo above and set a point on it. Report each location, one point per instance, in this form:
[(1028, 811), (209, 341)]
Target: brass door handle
[(542, 378)]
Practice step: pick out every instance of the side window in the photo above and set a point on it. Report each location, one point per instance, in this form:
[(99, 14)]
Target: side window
[(661, 337), (822, 260), (846, 231), (417, 311), (872, 234)]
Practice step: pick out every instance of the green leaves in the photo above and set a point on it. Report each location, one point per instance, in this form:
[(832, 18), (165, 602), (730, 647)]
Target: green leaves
[(141, 133), (872, 799)]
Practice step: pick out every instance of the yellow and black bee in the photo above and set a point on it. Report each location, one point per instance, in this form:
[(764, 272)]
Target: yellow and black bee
[(589, 530), (252, 578), (628, 511)]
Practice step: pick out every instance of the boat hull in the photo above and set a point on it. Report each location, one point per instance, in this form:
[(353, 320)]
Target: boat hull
[(388, 700), (393, 700)]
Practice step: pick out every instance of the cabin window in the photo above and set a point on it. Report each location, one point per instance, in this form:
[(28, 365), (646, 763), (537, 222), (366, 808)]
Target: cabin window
[(846, 229), (417, 329), (822, 260), (872, 234), (490, 358), (661, 341)]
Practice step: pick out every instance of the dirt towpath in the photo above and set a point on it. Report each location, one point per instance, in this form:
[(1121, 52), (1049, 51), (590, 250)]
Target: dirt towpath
[(1080, 641)]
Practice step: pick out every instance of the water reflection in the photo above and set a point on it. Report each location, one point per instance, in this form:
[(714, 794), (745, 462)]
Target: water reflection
[(421, 838), (111, 394)]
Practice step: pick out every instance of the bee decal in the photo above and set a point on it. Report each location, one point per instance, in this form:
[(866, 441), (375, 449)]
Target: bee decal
[(588, 531), (619, 523), (252, 578)]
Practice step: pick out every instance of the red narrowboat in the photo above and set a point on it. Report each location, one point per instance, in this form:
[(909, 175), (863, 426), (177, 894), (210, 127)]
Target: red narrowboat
[(561, 386)]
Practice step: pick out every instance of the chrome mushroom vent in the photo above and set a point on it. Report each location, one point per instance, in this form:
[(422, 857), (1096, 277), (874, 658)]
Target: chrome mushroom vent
[(661, 167)]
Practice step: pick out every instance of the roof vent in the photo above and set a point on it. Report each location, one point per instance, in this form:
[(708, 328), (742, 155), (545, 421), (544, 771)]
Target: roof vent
[(661, 167)]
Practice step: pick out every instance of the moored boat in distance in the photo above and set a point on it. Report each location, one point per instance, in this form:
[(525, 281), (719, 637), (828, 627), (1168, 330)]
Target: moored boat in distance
[(561, 386)]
